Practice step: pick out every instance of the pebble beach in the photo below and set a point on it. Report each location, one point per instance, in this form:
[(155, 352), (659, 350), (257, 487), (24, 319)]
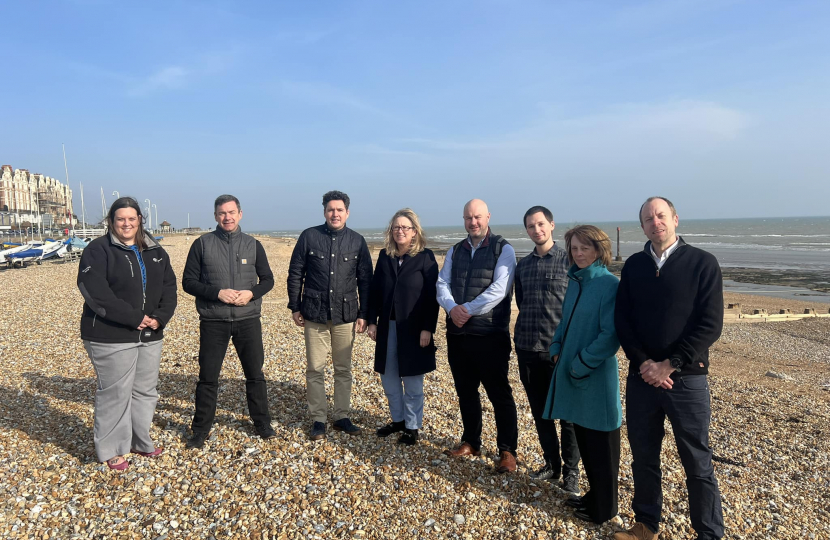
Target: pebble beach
[(770, 432)]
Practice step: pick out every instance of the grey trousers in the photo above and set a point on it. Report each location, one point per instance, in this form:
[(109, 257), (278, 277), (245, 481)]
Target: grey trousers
[(126, 397)]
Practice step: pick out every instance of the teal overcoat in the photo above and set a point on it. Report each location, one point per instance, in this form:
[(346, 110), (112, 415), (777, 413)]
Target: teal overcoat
[(585, 387)]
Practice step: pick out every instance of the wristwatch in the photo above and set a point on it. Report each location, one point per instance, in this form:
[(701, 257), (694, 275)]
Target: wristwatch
[(676, 363)]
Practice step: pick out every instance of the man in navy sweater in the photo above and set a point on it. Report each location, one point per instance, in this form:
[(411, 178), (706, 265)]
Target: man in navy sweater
[(669, 312)]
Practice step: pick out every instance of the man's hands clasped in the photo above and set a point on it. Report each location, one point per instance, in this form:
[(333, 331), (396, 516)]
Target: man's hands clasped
[(459, 315), (234, 297), (657, 373)]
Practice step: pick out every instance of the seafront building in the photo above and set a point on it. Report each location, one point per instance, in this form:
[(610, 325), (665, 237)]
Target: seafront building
[(34, 198)]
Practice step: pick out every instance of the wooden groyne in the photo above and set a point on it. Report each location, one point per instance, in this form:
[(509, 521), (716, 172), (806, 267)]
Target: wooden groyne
[(733, 314)]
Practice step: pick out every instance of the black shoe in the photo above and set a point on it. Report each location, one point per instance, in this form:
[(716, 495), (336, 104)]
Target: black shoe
[(197, 440), (409, 437), (585, 516), (318, 431), (390, 428), (545, 473), (571, 483), (266, 432), (575, 502), (345, 425)]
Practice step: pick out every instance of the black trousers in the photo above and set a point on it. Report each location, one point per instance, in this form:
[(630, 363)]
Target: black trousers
[(600, 452), (535, 372), (483, 361), (687, 405), (213, 344)]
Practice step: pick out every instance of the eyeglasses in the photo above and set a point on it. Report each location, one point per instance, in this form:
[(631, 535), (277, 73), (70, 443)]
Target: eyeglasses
[(402, 228)]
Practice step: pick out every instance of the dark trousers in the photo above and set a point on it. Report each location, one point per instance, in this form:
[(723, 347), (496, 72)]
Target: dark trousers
[(483, 361), (600, 452), (213, 344), (535, 372), (687, 406)]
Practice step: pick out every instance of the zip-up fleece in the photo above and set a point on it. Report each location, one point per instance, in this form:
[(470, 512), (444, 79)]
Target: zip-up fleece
[(115, 302), (673, 312)]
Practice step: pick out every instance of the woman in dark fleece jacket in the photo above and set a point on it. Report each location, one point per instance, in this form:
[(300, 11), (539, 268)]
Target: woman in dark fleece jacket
[(129, 292)]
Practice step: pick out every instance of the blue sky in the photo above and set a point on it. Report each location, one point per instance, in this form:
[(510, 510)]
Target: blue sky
[(585, 107)]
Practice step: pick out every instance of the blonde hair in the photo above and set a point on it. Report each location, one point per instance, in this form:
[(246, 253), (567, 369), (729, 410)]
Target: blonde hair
[(588, 234), (419, 241)]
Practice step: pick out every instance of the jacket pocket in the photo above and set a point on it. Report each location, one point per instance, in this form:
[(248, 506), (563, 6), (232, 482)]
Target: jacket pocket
[(350, 307), (311, 304), (316, 261), (349, 263)]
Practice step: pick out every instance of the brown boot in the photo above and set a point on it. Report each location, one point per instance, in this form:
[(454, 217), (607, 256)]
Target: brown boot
[(507, 462), (637, 532), (466, 449)]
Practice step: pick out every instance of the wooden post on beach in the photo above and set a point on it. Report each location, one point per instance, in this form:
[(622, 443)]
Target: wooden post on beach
[(618, 257)]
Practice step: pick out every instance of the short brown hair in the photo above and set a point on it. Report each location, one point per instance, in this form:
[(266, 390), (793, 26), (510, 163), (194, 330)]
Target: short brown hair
[(665, 200), (588, 234), (419, 241)]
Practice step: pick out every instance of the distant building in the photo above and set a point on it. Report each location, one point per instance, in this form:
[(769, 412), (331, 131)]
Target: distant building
[(165, 227), (35, 198)]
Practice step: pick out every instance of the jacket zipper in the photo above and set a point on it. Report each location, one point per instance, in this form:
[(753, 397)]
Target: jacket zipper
[(143, 293), (94, 319), (232, 267)]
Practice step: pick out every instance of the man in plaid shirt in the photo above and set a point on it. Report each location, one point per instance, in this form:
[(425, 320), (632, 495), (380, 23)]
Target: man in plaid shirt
[(541, 281)]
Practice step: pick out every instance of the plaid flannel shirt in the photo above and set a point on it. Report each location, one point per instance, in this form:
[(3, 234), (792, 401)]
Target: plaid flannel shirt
[(541, 283)]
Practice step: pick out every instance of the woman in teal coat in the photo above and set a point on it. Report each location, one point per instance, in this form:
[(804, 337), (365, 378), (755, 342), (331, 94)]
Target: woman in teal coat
[(585, 388)]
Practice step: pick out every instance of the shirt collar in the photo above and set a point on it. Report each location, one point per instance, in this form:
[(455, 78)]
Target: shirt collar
[(553, 249), (484, 242), (669, 250)]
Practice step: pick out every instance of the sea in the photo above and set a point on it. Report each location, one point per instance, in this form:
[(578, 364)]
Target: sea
[(777, 244)]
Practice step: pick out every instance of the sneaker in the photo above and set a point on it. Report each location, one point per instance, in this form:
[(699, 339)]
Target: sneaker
[(197, 440), (637, 532), (345, 425), (545, 473), (318, 431), (409, 437), (266, 432), (390, 428), (571, 483)]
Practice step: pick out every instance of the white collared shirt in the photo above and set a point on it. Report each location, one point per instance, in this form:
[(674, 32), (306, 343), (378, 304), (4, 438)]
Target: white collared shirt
[(660, 261), (503, 276)]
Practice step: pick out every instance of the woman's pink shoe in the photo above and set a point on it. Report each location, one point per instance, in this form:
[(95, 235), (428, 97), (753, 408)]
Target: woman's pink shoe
[(118, 466), (155, 453)]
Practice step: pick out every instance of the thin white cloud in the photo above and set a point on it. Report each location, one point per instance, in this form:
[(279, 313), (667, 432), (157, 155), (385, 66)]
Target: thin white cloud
[(451, 145), (167, 78), (698, 124), (328, 95), (307, 37), (376, 149)]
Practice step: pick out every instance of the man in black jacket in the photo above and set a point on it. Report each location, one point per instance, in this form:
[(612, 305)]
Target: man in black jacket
[(228, 273), (669, 312), (328, 290)]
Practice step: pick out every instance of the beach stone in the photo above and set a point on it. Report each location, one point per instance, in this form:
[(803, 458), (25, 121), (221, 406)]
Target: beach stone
[(770, 439)]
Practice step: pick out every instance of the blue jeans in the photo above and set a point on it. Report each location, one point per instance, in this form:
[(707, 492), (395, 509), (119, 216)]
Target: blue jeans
[(405, 394), (687, 407)]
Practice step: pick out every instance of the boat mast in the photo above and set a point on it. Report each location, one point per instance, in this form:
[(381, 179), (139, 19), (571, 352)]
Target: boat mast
[(83, 208), (71, 223)]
